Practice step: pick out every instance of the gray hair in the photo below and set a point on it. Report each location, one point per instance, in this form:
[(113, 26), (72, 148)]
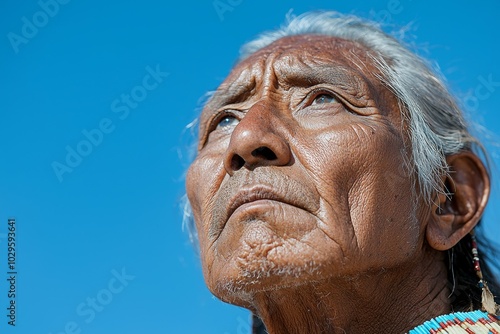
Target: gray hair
[(436, 124)]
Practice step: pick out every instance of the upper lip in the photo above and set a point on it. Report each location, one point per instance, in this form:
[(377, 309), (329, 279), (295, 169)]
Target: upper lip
[(247, 188), (252, 194)]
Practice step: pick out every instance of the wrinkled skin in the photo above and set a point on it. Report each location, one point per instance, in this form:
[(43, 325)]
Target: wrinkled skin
[(305, 209)]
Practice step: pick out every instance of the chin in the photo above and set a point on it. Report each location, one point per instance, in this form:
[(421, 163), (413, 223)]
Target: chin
[(263, 251), (241, 280)]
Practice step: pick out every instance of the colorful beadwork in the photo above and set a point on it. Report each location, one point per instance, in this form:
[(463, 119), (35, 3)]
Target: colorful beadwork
[(487, 300), (475, 255), (460, 322)]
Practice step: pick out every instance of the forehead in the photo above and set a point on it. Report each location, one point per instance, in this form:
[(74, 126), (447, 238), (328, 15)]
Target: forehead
[(307, 51), (297, 60)]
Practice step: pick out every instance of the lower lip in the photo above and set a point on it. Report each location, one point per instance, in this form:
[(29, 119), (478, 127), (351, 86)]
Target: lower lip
[(258, 204)]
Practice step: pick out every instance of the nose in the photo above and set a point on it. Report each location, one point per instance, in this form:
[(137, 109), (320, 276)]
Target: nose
[(256, 141)]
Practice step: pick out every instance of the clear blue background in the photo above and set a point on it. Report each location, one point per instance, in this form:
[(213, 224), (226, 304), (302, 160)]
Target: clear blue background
[(119, 208)]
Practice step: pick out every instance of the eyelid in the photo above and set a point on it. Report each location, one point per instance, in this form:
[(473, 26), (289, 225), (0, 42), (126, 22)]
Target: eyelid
[(214, 120), (218, 116), (315, 92), (344, 99), (355, 104)]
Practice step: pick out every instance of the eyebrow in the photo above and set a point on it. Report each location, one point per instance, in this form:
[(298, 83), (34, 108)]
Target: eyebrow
[(298, 75), (236, 91), (315, 74), (289, 76)]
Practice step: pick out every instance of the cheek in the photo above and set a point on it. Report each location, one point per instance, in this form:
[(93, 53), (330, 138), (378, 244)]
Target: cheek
[(383, 205), (368, 202), (384, 219), (203, 179)]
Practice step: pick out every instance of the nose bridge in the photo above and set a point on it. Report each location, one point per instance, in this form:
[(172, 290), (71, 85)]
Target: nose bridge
[(258, 140), (265, 107), (256, 129), (261, 111)]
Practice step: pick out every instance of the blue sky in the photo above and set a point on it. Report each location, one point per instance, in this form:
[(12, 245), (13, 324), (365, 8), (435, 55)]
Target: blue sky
[(100, 246)]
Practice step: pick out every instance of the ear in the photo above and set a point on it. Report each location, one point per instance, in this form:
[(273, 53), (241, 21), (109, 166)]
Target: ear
[(459, 207)]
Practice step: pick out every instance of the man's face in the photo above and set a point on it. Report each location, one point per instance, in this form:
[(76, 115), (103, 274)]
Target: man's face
[(300, 173)]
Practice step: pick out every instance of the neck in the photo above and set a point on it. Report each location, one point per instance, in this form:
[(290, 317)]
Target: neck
[(387, 301)]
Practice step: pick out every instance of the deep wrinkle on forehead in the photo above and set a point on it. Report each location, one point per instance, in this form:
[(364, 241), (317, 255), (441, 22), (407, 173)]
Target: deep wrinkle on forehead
[(288, 68), (308, 71)]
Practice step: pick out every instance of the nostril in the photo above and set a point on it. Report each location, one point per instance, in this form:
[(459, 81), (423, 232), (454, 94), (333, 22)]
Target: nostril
[(264, 153), (237, 162)]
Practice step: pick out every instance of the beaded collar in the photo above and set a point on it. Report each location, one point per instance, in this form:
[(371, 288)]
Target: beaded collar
[(460, 322)]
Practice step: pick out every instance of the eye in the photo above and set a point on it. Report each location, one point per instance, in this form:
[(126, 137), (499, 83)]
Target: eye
[(324, 98), (226, 122)]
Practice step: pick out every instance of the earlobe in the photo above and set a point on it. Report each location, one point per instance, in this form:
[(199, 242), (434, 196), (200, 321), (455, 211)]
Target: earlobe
[(462, 202)]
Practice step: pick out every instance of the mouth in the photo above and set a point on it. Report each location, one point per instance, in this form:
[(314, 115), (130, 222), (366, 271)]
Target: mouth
[(262, 188), (256, 193)]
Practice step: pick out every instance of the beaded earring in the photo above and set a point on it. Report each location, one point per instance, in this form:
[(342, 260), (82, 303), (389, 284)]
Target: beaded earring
[(487, 299)]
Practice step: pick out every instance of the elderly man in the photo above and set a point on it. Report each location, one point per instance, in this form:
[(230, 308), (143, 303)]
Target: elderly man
[(336, 188)]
